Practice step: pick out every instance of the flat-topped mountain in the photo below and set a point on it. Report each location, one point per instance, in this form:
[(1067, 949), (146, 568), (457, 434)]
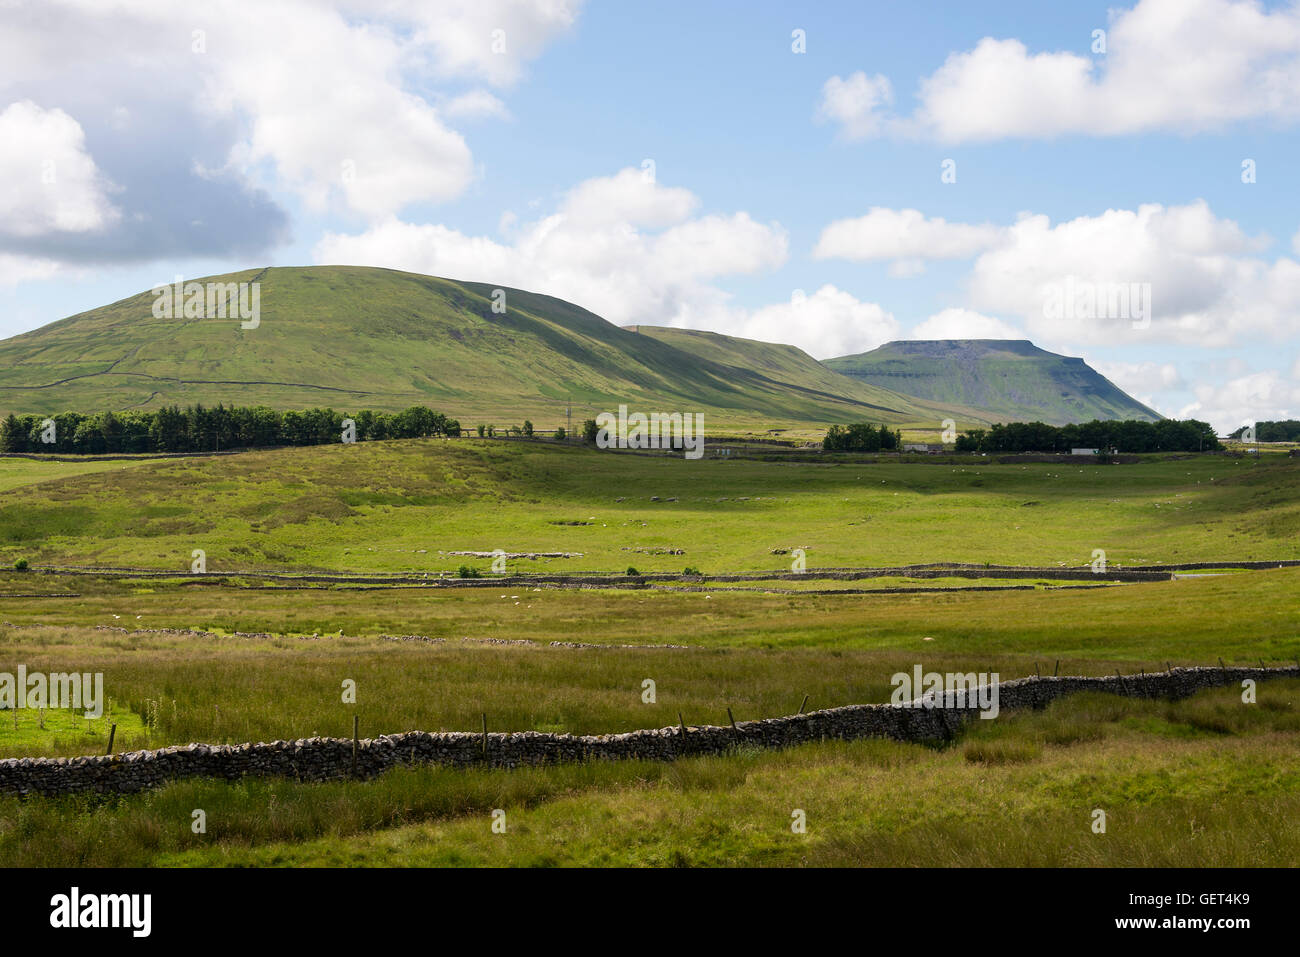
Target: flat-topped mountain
[(1012, 378)]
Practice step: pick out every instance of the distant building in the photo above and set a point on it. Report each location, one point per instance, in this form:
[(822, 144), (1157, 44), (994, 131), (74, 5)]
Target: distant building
[(921, 447), (1085, 451)]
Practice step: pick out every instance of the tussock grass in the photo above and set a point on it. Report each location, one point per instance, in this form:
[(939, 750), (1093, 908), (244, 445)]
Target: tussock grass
[(1179, 802)]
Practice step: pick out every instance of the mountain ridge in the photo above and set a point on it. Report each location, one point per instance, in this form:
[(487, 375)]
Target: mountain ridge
[(368, 337), (1010, 377)]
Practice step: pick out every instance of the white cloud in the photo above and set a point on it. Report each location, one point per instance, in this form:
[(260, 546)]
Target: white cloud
[(325, 105), (493, 40), (1206, 285), (1256, 397), (905, 236), (856, 103), (1135, 377), (829, 323), (630, 196), (957, 323), (16, 269), (474, 105), (1178, 65), (335, 101), (620, 246), (51, 181)]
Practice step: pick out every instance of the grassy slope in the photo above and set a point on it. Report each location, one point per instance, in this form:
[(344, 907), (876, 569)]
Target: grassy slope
[(791, 365), (356, 337), (1014, 379), (398, 506)]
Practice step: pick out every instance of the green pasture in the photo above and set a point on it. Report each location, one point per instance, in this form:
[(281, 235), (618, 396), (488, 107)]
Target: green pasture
[(407, 506)]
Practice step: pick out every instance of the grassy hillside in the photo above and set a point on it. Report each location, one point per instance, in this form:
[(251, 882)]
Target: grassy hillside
[(794, 367), (1013, 379), (356, 337)]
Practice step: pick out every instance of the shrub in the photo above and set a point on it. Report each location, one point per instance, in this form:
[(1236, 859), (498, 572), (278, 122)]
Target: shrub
[(561, 435), (466, 571), (691, 570), (20, 565), (632, 571)]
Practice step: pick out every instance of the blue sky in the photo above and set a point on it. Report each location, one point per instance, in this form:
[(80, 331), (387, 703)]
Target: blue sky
[(794, 196)]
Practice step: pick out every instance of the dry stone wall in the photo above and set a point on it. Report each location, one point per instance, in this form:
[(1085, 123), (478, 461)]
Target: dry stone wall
[(323, 759)]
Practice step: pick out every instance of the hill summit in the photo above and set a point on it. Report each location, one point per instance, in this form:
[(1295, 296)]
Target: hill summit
[(1012, 378), (355, 337)]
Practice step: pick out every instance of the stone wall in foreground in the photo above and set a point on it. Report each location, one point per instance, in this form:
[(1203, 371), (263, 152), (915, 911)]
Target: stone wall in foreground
[(324, 759)]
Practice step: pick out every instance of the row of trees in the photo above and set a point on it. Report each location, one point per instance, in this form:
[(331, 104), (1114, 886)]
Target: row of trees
[(1287, 430), (861, 437), (1167, 435), (199, 429), (526, 430)]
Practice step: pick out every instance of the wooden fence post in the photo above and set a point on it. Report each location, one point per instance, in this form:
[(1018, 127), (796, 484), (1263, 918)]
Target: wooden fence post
[(356, 743), (804, 705), (111, 733)]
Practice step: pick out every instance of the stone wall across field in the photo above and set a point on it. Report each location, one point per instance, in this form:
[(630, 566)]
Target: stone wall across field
[(324, 759)]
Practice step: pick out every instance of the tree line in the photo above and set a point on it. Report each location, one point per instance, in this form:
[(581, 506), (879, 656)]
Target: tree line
[(1287, 430), (199, 429), (1167, 435), (861, 437)]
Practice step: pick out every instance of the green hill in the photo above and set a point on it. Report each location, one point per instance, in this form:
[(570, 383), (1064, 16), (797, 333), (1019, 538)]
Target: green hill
[(1014, 379), (357, 337), (793, 367)]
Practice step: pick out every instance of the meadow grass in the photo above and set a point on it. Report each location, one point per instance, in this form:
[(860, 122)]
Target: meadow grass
[(1238, 617), (1219, 777), (757, 654), (1182, 784), (404, 506)]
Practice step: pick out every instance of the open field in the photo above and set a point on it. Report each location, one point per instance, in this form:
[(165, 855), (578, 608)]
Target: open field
[(1206, 780), (188, 658), (405, 506), (756, 654)]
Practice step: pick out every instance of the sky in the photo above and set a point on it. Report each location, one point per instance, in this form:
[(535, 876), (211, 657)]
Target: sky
[(1111, 182)]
